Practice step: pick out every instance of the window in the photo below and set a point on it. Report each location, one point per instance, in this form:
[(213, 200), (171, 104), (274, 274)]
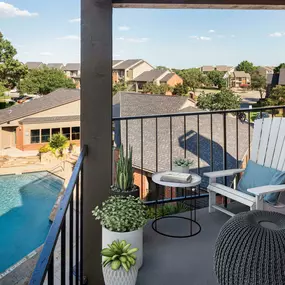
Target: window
[(45, 135), (66, 132), (75, 133), (55, 131), (35, 136)]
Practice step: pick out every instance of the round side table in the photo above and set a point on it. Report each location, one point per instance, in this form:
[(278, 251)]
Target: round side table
[(194, 226)]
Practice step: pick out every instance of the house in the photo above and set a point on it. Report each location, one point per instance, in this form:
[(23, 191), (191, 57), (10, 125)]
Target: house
[(207, 68), (265, 70), (158, 77), (127, 70), (272, 80), (29, 126), (224, 68), (72, 70), (34, 65), (135, 104), (55, 65), (239, 79)]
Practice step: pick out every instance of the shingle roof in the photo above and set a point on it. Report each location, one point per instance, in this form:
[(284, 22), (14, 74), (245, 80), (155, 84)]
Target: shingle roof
[(39, 120), (223, 68), (241, 74), (116, 61), (46, 102), (149, 76), (134, 104), (272, 79), (55, 65), (282, 76), (126, 64), (72, 67), (167, 77), (207, 68), (34, 65)]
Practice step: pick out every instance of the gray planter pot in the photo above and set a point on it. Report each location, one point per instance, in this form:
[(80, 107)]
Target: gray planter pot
[(117, 192), (120, 276), (181, 169)]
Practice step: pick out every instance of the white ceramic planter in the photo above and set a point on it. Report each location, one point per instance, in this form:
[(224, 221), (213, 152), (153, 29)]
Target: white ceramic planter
[(120, 276), (135, 238), (181, 169)]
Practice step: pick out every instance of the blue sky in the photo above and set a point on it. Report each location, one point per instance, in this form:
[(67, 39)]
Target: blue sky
[(49, 31)]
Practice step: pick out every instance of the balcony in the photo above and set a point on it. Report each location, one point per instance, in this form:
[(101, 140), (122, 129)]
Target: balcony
[(213, 140)]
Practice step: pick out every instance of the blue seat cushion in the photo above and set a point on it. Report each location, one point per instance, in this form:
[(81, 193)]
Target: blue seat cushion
[(256, 175)]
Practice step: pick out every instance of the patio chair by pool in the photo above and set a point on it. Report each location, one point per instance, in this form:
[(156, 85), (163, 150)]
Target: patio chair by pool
[(264, 177)]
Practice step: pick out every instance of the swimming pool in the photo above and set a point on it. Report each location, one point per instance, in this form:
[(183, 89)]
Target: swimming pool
[(26, 201)]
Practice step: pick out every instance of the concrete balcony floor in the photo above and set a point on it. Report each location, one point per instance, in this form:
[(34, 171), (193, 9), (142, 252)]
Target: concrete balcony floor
[(182, 261)]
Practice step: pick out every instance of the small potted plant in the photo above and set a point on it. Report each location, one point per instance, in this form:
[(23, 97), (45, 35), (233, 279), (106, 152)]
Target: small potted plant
[(119, 264), (124, 185), (182, 165), (123, 218)]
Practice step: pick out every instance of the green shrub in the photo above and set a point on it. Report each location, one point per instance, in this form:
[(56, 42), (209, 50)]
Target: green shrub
[(121, 214), (44, 149), (165, 210), (58, 142)]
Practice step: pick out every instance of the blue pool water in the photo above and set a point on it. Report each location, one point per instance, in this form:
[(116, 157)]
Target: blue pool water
[(25, 204)]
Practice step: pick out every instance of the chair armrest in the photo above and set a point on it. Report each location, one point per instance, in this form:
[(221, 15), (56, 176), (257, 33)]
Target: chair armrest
[(223, 173), (266, 189)]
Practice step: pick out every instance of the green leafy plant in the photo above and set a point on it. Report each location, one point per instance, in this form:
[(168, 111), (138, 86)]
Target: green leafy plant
[(167, 209), (119, 254), (121, 214), (58, 142), (183, 162), (44, 149), (125, 177)]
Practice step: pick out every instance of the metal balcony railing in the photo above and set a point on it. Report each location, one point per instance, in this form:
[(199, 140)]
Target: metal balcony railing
[(68, 225)]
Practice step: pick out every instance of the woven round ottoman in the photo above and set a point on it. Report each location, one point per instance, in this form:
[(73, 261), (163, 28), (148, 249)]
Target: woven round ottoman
[(250, 250)]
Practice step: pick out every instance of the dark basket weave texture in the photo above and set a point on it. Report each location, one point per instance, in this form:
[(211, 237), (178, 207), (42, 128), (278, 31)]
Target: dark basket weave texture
[(248, 253)]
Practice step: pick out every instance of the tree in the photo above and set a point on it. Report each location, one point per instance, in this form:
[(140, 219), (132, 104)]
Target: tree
[(280, 66), (119, 86), (216, 78), (161, 67), (277, 96), (11, 70), (246, 66), (153, 88), (258, 82), (180, 89), (223, 100), (192, 77), (44, 80)]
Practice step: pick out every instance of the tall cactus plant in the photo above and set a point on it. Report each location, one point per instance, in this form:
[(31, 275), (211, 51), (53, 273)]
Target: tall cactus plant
[(125, 178)]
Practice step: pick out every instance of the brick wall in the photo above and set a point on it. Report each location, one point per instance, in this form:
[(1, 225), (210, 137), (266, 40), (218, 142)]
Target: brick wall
[(175, 79)]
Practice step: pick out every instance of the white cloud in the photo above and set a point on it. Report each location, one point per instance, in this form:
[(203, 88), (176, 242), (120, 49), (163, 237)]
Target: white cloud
[(277, 34), (46, 53), (233, 36), (70, 38), (133, 40), (10, 11), (221, 36), (201, 38), (76, 20), (124, 28), (212, 31)]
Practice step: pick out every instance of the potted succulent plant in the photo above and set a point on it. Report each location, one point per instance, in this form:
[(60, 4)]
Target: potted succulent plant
[(119, 264), (124, 184), (182, 165), (123, 218)]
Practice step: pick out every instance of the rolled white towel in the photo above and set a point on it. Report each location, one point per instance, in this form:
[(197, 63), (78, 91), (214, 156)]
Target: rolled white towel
[(176, 177)]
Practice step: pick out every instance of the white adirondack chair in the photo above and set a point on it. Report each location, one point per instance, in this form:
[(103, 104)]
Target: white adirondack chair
[(268, 149)]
